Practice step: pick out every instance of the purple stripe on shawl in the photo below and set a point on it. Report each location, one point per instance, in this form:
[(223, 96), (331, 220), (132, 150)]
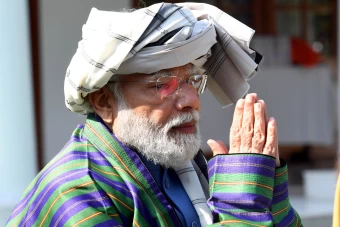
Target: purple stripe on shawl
[(80, 126), (249, 216), (280, 197), (213, 161), (143, 209), (111, 222), (122, 188), (130, 191), (244, 168), (38, 204), (281, 187), (79, 208), (244, 158), (232, 200), (146, 174), (74, 155), (239, 158), (98, 158), (288, 219), (234, 205), (280, 192), (23, 202), (77, 136), (78, 203)]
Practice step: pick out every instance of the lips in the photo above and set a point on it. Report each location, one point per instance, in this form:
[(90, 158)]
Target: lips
[(187, 128)]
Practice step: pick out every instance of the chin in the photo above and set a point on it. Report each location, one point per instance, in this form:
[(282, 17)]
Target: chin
[(172, 162)]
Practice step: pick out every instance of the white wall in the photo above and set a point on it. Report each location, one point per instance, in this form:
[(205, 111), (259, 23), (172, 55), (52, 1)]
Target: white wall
[(17, 134), (61, 22)]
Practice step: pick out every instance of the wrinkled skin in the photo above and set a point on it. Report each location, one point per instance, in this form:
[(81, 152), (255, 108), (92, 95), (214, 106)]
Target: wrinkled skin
[(251, 131)]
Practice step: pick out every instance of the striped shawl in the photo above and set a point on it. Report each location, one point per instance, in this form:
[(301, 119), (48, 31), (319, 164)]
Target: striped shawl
[(96, 181)]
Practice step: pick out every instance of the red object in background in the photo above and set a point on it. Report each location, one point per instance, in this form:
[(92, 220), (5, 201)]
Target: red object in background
[(303, 54)]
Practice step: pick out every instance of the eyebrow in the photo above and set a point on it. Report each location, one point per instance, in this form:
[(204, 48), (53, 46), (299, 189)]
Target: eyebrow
[(157, 75)]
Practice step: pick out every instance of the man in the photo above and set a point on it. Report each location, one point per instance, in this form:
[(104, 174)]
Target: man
[(136, 161)]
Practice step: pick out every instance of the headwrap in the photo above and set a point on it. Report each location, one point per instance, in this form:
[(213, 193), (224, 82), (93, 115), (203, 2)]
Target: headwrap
[(158, 37)]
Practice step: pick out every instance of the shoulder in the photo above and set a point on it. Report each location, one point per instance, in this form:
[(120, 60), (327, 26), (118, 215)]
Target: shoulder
[(71, 177)]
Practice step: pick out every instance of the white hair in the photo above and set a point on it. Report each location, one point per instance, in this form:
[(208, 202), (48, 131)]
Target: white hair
[(159, 144), (113, 87)]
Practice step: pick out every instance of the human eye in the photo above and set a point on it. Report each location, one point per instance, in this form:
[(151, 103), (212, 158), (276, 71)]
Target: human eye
[(159, 86), (163, 82), (151, 84), (167, 85)]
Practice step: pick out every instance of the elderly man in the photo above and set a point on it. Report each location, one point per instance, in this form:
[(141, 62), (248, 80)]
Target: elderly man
[(136, 161)]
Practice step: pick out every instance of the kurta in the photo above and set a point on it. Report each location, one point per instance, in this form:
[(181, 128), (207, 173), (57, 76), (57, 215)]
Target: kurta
[(97, 181)]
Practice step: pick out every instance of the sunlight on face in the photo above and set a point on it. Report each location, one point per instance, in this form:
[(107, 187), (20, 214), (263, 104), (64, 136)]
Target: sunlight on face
[(143, 98), (157, 143)]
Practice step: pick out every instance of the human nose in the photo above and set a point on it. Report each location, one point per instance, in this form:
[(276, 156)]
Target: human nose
[(187, 98)]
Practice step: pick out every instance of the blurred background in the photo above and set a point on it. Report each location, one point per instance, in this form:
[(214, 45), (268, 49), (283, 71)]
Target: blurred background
[(298, 80)]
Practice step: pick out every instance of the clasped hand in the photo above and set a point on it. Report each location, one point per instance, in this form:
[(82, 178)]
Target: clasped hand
[(251, 131)]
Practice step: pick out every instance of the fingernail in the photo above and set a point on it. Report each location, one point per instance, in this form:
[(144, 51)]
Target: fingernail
[(240, 103), (249, 98)]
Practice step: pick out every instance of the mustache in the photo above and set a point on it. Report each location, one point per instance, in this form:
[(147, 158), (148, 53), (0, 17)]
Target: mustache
[(182, 119)]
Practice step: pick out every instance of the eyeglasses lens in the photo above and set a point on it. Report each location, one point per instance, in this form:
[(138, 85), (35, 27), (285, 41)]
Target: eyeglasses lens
[(195, 81), (166, 86)]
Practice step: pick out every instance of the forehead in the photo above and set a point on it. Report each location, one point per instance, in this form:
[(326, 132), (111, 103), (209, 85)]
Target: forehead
[(182, 71)]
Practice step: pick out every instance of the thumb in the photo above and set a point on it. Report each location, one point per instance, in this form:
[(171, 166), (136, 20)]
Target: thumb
[(217, 147)]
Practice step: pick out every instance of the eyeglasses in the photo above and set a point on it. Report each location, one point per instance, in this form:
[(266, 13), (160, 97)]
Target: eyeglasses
[(169, 85)]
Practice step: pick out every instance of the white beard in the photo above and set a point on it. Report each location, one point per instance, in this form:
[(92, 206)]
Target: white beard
[(157, 143)]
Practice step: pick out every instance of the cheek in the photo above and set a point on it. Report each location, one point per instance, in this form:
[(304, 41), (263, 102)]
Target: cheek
[(157, 110), (160, 117)]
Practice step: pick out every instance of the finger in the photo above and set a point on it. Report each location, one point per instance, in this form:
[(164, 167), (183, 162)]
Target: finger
[(217, 147), (265, 109), (247, 124), (277, 154), (265, 113), (235, 130), (255, 96), (271, 139), (259, 136)]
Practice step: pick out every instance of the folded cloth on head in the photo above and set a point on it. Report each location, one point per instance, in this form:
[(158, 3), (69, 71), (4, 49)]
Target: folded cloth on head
[(158, 37)]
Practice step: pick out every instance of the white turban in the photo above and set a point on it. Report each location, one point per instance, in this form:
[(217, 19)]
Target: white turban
[(158, 37)]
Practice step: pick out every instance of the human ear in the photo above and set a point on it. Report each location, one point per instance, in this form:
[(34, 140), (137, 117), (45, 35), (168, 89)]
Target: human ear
[(103, 103)]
